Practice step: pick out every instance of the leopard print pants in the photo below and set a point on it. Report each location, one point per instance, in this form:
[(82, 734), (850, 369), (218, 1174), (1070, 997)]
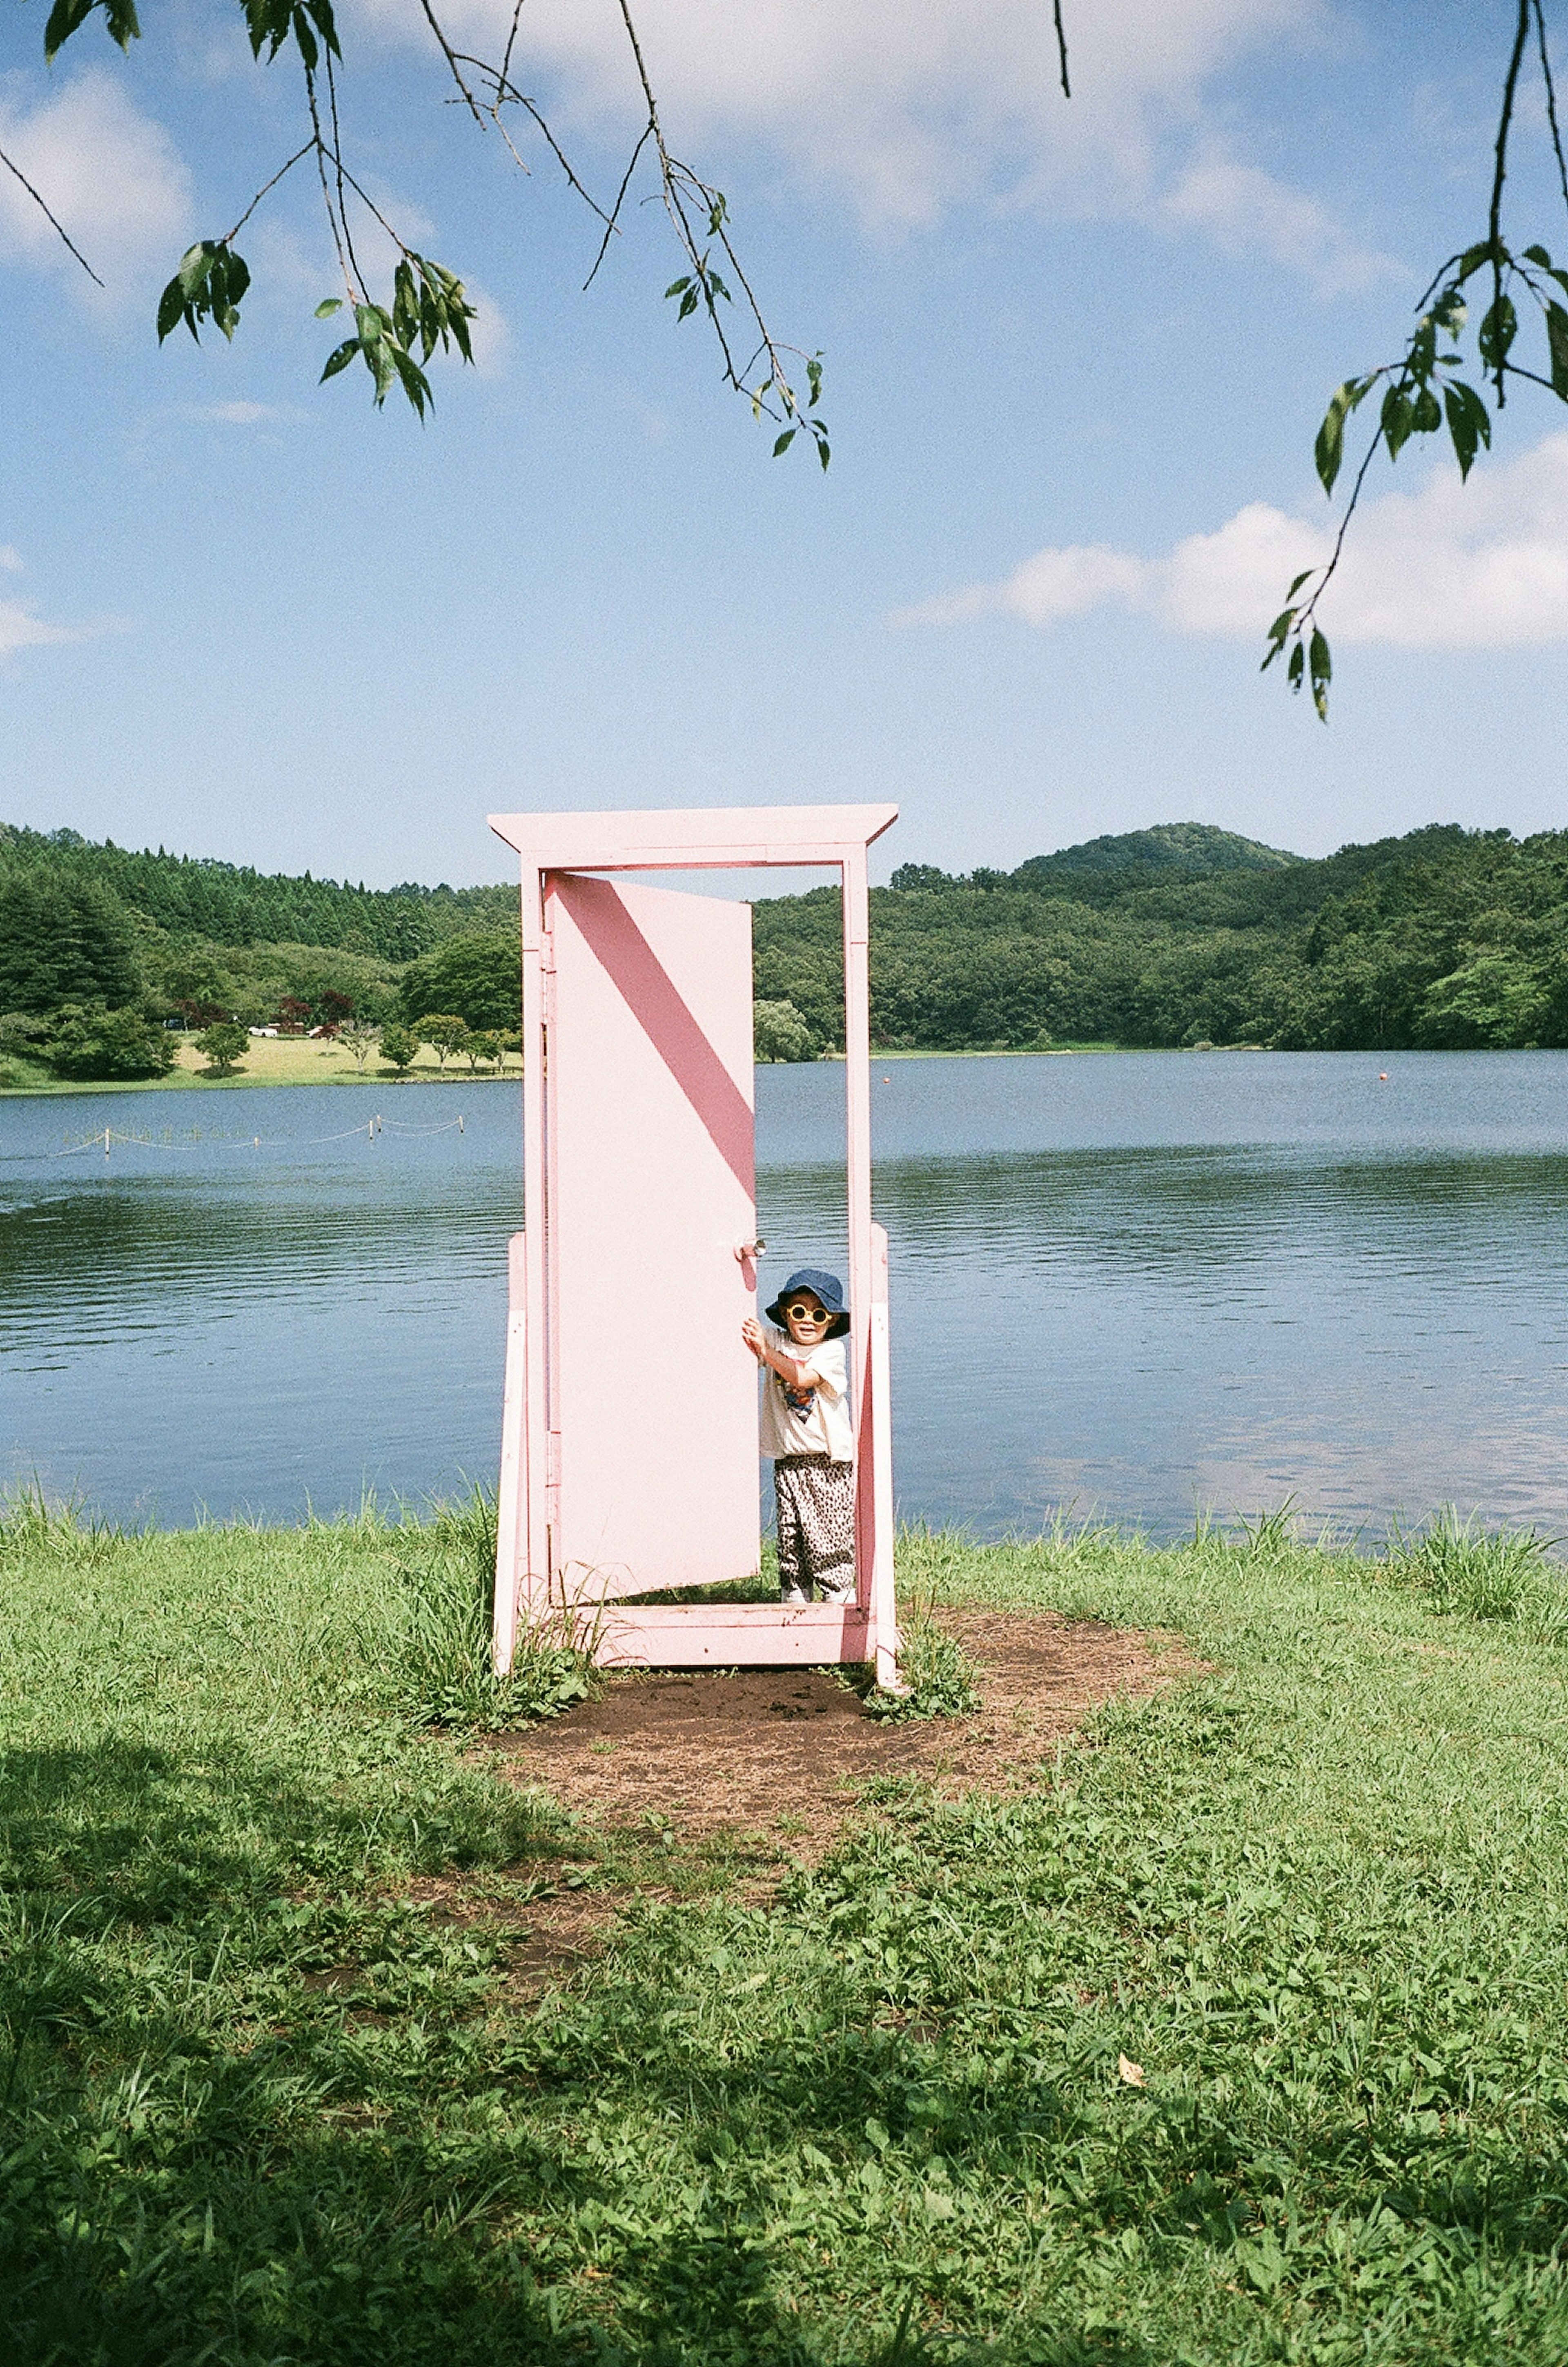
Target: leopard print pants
[(817, 1526)]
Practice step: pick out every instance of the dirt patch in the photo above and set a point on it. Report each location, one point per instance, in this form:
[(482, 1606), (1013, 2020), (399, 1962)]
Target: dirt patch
[(779, 1753)]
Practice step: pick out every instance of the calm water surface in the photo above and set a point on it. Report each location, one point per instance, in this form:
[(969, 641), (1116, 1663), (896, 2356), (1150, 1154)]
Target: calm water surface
[(1132, 1284)]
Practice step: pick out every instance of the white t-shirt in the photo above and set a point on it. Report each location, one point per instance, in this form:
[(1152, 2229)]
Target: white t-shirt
[(814, 1421)]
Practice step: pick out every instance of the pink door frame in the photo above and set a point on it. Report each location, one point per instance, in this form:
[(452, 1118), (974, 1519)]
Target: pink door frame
[(723, 1636)]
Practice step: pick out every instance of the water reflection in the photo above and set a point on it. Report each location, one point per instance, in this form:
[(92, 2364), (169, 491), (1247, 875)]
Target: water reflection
[(1134, 1285)]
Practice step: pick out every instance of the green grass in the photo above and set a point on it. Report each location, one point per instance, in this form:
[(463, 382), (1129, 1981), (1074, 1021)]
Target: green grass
[(267, 2094)]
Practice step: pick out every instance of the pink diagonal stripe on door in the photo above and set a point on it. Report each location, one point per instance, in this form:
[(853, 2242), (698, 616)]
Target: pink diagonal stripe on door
[(650, 992)]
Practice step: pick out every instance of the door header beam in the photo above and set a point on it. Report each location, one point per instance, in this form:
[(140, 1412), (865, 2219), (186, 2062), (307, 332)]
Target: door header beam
[(710, 839)]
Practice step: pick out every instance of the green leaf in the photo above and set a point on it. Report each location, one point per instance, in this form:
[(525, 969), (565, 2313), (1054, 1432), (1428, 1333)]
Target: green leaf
[(1472, 258), (325, 23), (823, 454), (172, 310), (1322, 669), (1296, 667), (1329, 451), (688, 304), (268, 23), (416, 385), (1299, 582), (328, 306), (64, 19), (1285, 619), (1398, 418), (1539, 255), (679, 287), (340, 360), (1450, 312), (208, 286), (1557, 344), (1470, 423), (195, 264), (1427, 416), (784, 442), (1499, 326), (68, 16)]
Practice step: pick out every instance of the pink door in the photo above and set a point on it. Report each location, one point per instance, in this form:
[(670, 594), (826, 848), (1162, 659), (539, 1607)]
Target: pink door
[(649, 1206)]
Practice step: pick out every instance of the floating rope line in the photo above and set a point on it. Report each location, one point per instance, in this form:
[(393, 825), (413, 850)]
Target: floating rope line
[(372, 1128), (151, 1142)]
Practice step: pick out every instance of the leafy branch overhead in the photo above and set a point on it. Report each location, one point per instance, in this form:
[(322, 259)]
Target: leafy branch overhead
[(395, 333), (1423, 393)]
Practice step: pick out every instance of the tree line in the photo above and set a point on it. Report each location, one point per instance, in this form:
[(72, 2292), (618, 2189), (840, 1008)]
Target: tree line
[(1183, 934), (1443, 939), (230, 904)]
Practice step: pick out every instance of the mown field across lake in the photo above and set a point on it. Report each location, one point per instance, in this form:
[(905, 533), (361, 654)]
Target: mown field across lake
[(1230, 2033)]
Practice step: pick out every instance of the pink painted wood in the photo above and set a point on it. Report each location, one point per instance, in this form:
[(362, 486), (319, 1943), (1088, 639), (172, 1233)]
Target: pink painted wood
[(637, 1128), (650, 1193)]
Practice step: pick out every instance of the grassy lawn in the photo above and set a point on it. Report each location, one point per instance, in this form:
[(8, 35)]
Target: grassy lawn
[(300, 1060), (272, 2090), (275, 1060)]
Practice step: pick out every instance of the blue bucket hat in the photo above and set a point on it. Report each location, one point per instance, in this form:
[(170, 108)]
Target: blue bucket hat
[(828, 1289)]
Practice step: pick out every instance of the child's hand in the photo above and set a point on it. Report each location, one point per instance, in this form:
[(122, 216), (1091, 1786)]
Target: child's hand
[(751, 1332)]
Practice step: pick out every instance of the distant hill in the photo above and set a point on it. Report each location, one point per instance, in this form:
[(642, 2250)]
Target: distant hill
[(1446, 939), (1196, 849), (229, 904), (1181, 933)]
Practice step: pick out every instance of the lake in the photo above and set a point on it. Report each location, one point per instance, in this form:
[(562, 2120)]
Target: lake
[(1129, 1285)]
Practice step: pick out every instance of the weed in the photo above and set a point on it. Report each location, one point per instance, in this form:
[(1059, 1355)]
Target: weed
[(440, 1649), (1478, 1573), (937, 1670), (31, 1523)]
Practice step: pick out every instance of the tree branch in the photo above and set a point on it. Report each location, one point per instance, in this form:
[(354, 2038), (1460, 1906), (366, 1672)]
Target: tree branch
[(1500, 171), (58, 228)]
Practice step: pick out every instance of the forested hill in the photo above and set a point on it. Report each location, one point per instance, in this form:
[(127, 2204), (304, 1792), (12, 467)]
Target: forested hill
[(1177, 935), (1446, 938), (229, 904)]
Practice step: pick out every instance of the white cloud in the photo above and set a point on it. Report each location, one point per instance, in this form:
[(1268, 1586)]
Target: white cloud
[(1245, 211), (109, 174), (244, 414), (10, 559), (20, 630), (910, 106), (1448, 566), (1051, 585)]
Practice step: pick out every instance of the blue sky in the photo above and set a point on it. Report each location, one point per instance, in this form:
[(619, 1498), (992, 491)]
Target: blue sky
[(1077, 354)]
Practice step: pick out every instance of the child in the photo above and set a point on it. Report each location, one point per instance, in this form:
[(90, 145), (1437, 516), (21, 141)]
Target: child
[(806, 1429)]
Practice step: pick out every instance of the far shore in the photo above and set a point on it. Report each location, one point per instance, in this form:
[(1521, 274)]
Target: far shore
[(294, 1060)]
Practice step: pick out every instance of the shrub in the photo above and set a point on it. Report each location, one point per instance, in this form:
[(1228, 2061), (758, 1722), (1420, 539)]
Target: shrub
[(779, 1033), (444, 1033), (220, 1046), (398, 1044), (103, 1046)]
